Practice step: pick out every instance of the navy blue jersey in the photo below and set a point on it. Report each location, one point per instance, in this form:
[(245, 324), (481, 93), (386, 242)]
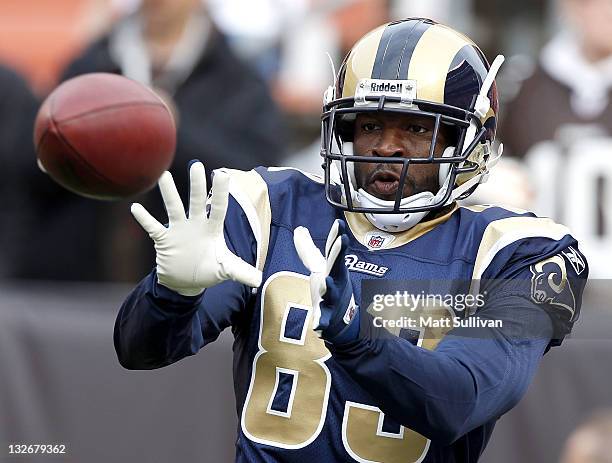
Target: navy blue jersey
[(385, 397)]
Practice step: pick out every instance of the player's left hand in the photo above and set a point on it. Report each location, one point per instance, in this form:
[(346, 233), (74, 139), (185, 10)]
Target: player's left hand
[(330, 285)]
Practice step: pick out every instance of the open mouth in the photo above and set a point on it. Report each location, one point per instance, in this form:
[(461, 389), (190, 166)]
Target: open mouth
[(384, 184)]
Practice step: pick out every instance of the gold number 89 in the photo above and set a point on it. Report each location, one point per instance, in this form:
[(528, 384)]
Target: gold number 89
[(304, 359)]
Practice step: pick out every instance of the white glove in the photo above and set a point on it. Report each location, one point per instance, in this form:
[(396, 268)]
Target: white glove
[(191, 252), (331, 289), (318, 267)]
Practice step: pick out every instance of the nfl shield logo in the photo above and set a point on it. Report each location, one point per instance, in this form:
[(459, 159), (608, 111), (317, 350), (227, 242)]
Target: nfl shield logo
[(376, 241)]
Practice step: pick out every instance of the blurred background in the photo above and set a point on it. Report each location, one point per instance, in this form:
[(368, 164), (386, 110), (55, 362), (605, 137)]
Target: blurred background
[(67, 262)]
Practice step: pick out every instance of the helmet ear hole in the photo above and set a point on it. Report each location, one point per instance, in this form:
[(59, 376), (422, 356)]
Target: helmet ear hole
[(345, 128)]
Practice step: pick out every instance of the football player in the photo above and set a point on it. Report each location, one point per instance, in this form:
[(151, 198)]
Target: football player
[(285, 258)]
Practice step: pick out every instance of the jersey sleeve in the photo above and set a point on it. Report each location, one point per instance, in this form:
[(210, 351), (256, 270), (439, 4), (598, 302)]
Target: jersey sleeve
[(156, 326), (543, 266), (533, 287), (465, 382)]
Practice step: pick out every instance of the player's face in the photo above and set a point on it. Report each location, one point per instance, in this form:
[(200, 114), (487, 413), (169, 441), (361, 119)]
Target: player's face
[(400, 136)]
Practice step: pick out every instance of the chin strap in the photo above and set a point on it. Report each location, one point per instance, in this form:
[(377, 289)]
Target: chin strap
[(404, 221), (394, 222)]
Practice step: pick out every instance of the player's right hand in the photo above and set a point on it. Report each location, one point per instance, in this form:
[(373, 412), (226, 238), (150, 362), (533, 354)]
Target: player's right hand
[(191, 251)]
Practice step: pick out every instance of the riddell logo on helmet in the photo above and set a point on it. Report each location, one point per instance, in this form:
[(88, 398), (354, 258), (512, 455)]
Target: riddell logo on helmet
[(404, 89), (385, 87)]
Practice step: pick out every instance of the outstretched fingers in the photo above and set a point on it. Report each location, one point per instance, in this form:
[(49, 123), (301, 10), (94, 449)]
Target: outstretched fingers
[(335, 260), (331, 237), (197, 190), (218, 201), (310, 255), (147, 221), (172, 200), (241, 271)]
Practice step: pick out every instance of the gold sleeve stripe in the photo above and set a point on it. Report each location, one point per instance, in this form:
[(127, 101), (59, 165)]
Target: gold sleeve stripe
[(431, 61), (504, 232), (314, 177), (366, 47), (251, 192), (484, 207)]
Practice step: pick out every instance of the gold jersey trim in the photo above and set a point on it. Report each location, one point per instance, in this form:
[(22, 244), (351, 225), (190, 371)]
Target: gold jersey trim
[(503, 232), (361, 227), (251, 192)]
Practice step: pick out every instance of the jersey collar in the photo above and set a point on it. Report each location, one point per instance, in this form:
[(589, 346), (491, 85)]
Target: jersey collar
[(375, 239)]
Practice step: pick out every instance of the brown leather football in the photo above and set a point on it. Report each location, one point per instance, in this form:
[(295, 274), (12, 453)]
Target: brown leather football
[(104, 136)]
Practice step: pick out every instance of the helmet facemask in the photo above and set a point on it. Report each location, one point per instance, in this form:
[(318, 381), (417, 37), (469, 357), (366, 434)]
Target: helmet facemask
[(402, 213)]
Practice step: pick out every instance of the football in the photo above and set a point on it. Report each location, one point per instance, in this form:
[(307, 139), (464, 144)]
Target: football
[(104, 136)]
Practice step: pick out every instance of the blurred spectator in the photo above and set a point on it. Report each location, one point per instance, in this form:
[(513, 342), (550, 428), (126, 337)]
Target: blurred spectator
[(225, 117), (255, 29), (571, 83), (592, 441), (561, 122), (516, 27), (17, 109), (173, 46)]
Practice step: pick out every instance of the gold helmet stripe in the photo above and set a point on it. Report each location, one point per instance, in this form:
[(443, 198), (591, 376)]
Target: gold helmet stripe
[(432, 59), (396, 47), (357, 69)]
